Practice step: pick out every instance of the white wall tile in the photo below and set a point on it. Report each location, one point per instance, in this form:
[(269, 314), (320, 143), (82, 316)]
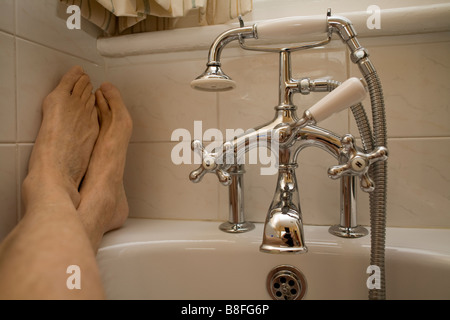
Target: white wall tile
[(161, 100), (420, 180), (7, 89), (7, 21), (39, 70), (416, 85), (8, 190), (44, 22), (418, 183), (157, 188), (23, 157), (252, 102)]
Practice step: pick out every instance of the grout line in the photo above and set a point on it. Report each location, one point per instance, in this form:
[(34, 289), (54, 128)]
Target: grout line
[(18, 185), (16, 104), (176, 142), (16, 95), (6, 33), (58, 50), (16, 20)]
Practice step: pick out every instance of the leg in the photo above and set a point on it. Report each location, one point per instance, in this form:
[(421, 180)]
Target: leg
[(35, 256), (103, 205)]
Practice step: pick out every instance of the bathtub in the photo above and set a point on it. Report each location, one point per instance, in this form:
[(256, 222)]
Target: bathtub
[(190, 260)]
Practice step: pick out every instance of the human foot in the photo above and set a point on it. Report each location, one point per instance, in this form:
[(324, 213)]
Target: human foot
[(65, 141), (103, 206)]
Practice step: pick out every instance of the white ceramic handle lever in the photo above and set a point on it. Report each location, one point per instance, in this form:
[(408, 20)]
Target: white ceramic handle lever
[(349, 93), (291, 27)]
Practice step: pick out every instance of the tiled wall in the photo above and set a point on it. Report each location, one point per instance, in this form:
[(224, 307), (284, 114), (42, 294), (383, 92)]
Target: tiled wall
[(414, 70), (36, 50)]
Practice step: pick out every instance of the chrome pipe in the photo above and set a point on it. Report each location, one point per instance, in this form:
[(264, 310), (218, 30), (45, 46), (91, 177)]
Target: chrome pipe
[(236, 222)]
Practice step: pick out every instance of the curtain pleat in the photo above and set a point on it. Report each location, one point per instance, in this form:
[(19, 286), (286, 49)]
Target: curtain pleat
[(133, 16)]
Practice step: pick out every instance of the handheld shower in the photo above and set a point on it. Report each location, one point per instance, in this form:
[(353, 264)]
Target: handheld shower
[(215, 80)]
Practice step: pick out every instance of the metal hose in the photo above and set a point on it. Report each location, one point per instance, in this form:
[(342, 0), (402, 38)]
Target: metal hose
[(363, 127), (378, 172)]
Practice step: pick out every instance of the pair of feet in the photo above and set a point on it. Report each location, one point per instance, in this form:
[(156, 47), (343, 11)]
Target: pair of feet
[(80, 154)]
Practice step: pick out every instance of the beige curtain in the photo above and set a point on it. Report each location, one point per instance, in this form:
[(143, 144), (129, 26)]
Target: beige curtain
[(131, 16)]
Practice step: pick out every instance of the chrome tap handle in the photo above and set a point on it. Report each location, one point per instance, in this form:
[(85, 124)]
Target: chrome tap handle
[(358, 163), (209, 164)]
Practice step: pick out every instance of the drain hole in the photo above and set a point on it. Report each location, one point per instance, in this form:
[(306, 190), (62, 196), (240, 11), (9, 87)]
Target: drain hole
[(286, 283)]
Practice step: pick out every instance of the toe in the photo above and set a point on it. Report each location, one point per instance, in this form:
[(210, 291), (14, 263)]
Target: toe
[(69, 80), (116, 104), (90, 103), (112, 95), (102, 104), (83, 82), (87, 93)]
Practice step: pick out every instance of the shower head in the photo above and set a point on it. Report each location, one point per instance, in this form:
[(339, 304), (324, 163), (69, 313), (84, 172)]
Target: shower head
[(213, 80)]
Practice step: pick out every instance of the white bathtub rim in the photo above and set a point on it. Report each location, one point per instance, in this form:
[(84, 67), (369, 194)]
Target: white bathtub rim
[(141, 232)]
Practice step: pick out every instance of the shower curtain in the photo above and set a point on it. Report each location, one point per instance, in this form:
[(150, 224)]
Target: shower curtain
[(133, 16)]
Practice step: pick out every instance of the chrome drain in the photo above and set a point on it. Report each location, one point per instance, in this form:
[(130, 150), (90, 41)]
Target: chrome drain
[(286, 283)]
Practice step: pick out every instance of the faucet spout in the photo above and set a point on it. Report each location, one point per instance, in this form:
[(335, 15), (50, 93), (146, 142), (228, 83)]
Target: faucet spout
[(283, 230)]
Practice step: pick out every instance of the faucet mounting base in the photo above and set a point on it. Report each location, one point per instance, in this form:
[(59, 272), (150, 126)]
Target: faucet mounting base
[(236, 227), (350, 232)]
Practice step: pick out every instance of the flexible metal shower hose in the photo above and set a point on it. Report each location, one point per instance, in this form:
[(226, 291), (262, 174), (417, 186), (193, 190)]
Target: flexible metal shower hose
[(378, 198), (378, 171)]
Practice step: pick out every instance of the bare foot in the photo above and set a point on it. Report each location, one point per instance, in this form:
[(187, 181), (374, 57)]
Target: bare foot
[(104, 205), (65, 141)]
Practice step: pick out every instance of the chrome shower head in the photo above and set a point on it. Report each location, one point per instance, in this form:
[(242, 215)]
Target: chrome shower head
[(213, 80)]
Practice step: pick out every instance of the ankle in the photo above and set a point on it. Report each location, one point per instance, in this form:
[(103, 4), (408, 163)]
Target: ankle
[(38, 188)]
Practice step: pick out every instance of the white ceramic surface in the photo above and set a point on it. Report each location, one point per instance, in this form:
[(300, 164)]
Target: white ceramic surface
[(164, 259)]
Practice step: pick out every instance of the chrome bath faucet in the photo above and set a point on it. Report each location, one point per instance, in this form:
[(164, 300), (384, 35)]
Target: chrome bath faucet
[(288, 134)]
